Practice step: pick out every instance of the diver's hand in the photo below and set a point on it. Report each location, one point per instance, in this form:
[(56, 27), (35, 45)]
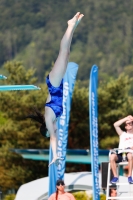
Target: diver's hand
[(55, 160)]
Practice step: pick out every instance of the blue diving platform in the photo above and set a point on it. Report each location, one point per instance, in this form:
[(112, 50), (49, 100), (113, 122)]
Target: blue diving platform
[(18, 87), (72, 155)]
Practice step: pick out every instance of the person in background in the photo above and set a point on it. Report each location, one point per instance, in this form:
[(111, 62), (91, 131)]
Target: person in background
[(60, 193), (125, 142), (113, 193)]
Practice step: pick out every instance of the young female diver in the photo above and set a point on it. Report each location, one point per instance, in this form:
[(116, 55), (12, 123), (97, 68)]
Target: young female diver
[(53, 106)]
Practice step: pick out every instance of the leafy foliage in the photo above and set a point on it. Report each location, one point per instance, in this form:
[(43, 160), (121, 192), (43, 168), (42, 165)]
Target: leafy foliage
[(80, 195), (17, 132), (114, 102), (102, 197), (83, 195), (78, 128), (9, 197)]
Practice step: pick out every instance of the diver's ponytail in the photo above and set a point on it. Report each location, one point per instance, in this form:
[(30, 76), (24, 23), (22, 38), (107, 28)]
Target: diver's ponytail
[(39, 118)]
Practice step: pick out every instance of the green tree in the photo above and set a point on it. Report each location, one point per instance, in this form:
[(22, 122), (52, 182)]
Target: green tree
[(9, 197), (79, 119), (114, 102), (31, 31), (80, 195), (17, 132)]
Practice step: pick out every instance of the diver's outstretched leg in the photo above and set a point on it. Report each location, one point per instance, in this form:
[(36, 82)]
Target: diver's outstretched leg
[(60, 65)]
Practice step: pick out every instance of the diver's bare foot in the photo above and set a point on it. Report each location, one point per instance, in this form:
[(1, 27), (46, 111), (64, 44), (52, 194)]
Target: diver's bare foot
[(75, 20)]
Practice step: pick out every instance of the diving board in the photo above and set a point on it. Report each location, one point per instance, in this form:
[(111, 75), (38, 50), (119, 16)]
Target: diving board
[(2, 77), (72, 155), (18, 87)]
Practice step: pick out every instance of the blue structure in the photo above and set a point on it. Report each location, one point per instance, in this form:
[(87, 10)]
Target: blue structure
[(18, 87), (57, 172), (79, 156), (93, 114)]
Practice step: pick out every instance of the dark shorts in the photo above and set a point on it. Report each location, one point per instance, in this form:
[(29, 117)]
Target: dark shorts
[(119, 156)]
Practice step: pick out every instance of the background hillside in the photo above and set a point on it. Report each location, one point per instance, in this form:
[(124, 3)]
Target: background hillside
[(31, 31)]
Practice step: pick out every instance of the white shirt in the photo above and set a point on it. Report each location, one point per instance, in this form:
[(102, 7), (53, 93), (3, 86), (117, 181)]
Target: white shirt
[(126, 140)]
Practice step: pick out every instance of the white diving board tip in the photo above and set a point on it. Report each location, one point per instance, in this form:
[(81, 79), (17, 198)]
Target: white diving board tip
[(2, 76)]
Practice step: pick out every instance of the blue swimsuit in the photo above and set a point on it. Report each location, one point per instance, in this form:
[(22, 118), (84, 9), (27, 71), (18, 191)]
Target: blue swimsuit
[(56, 97)]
